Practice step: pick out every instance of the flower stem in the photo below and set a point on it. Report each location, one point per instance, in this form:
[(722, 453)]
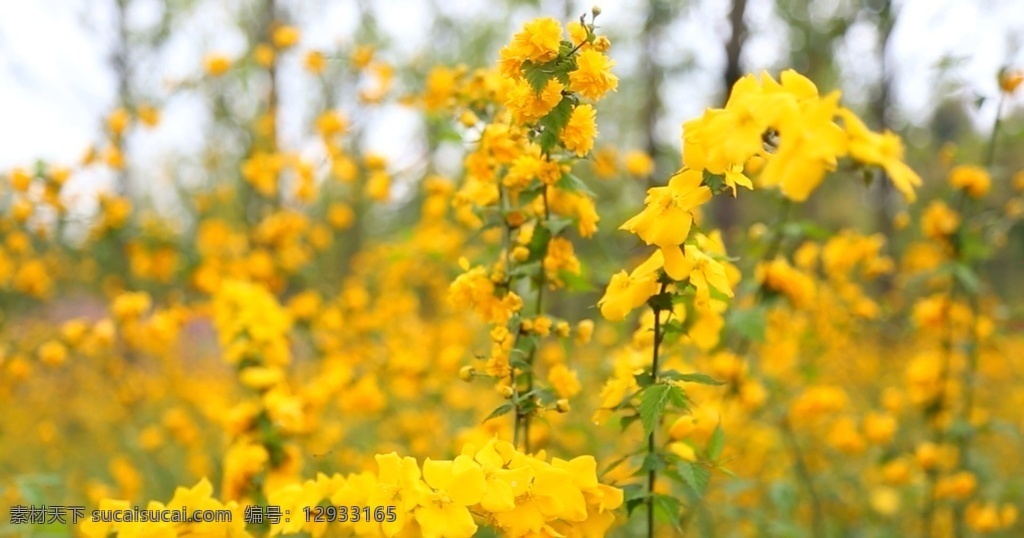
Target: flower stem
[(804, 475), (652, 475)]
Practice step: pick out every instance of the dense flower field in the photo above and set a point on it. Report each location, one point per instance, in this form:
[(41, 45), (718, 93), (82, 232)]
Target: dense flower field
[(503, 356)]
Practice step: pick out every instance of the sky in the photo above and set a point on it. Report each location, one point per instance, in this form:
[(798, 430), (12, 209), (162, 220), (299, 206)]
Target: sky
[(56, 83)]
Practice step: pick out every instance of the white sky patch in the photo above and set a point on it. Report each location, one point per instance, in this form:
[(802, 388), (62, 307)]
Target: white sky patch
[(56, 83)]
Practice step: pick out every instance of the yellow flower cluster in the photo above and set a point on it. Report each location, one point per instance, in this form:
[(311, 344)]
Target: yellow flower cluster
[(251, 325), (789, 125)]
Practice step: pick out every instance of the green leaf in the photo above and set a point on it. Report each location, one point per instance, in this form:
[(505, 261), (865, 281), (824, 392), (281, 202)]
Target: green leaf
[(667, 508), (806, 229), (537, 75), (653, 400), (652, 403), (749, 324), (530, 193), (693, 377), (539, 243), (552, 124), (557, 224), (673, 328), (635, 495), (653, 462), (502, 409), (575, 281), (572, 183), (967, 278), (678, 398), (524, 345), (661, 301), (627, 420), (525, 269), (695, 476), (716, 443)]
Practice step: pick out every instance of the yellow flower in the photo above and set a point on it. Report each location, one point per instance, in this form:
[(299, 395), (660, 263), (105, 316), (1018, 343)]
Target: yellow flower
[(118, 121), (528, 106), (668, 215), (704, 272), (639, 163), (593, 77), (578, 134), (53, 353), (315, 62), (577, 33), (285, 36), (810, 143), (399, 485), (148, 115), (939, 220), (1010, 80), (564, 381), (584, 331), (538, 41), (885, 150), (975, 180), (264, 55), (216, 64), (362, 56), (456, 486), (957, 486), (628, 292)]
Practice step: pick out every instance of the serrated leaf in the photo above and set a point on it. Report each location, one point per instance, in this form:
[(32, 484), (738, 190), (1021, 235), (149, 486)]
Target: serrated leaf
[(553, 123), (695, 476), (667, 508), (635, 495), (716, 443), (652, 404), (693, 377), (678, 398), (500, 410), (537, 75), (653, 462), (572, 183)]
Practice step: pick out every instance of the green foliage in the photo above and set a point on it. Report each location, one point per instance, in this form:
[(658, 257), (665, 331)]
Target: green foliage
[(551, 125), (572, 183), (749, 324), (502, 409), (654, 400)]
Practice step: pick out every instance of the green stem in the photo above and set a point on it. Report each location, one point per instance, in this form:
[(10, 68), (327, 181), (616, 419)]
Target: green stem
[(990, 155), (652, 475), (968, 380), (804, 475)]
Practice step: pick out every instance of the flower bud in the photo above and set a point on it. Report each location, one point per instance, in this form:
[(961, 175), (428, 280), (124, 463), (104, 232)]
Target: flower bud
[(562, 406)]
